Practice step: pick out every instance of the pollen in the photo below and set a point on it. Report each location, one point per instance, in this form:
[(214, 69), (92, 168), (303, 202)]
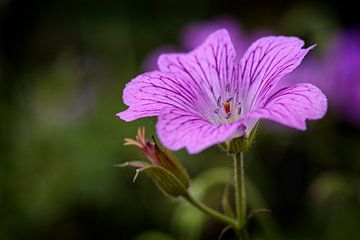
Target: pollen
[(227, 106), (228, 109)]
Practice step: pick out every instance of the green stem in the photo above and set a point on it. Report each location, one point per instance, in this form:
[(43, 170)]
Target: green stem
[(211, 212), (240, 195)]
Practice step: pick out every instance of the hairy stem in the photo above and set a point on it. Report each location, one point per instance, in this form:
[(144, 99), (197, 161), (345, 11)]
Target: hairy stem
[(240, 195), (209, 211)]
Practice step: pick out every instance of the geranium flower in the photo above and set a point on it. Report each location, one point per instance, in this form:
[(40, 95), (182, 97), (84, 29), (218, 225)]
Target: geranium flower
[(207, 97)]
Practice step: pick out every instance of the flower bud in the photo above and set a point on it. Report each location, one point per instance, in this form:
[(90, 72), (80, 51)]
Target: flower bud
[(164, 169), (166, 181)]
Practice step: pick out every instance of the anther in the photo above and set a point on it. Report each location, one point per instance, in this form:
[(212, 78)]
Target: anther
[(226, 106), (229, 99), (227, 88), (217, 110), (228, 115), (239, 111), (218, 103)]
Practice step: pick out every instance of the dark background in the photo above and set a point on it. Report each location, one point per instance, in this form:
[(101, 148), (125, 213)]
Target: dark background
[(63, 65)]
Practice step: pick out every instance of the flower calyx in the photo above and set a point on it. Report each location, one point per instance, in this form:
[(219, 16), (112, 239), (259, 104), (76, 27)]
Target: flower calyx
[(163, 168), (240, 144)]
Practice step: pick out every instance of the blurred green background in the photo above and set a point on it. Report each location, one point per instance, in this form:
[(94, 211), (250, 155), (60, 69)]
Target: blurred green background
[(63, 65)]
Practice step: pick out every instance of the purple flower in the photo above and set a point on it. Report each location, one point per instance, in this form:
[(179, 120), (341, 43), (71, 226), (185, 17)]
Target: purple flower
[(196, 33), (207, 97), (337, 73), (341, 75), (150, 62)]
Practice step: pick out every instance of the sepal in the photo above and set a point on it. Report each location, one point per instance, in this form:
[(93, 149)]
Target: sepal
[(168, 161), (163, 168), (165, 180), (240, 144)]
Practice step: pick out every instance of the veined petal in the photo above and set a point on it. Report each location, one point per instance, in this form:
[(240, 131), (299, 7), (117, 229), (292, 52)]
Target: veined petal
[(264, 63), (210, 67), (291, 106), (150, 93), (178, 128)]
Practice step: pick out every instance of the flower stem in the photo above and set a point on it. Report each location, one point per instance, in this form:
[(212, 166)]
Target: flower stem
[(209, 211), (240, 195)]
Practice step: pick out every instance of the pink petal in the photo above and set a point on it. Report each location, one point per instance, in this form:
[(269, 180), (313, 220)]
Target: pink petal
[(209, 67), (178, 129), (150, 93), (264, 63), (293, 105)]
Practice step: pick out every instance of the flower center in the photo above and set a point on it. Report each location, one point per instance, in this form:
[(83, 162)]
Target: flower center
[(228, 110), (226, 105)]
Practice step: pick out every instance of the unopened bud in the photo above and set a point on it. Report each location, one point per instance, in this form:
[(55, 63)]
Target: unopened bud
[(166, 181), (164, 169)]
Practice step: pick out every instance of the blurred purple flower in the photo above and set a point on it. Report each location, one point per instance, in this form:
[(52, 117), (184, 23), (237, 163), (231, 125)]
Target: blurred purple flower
[(150, 62), (337, 73), (196, 33), (341, 74), (206, 97)]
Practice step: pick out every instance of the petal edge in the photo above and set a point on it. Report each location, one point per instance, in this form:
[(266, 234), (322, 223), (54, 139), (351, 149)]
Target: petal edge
[(292, 106)]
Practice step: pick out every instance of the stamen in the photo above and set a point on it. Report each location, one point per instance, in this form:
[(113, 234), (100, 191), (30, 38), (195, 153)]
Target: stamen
[(226, 106), (236, 95), (228, 115), (217, 110), (218, 103), (229, 99), (227, 88), (239, 111)]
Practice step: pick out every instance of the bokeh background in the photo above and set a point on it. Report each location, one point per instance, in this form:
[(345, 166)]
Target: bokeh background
[(63, 65)]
